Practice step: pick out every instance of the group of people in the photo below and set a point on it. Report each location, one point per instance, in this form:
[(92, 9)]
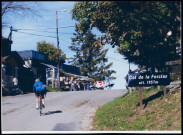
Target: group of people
[(77, 86)]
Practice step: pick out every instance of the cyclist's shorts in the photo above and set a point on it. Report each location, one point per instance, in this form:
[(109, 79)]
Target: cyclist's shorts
[(40, 93)]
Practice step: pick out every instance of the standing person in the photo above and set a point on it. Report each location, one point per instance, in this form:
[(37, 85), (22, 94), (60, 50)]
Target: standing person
[(88, 86), (81, 86), (72, 86), (78, 85), (40, 90), (85, 86)]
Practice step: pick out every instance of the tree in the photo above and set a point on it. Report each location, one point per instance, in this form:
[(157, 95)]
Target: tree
[(90, 56), (19, 9), (51, 50), (139, 29)]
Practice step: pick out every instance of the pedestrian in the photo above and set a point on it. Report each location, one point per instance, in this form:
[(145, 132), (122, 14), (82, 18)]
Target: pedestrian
[(78, 85), (40, 90), (85, 84), (81, 86), (88, 85), (72, 86)]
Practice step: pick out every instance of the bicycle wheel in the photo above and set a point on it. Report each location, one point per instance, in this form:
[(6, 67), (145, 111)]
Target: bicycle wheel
[(40, 106)]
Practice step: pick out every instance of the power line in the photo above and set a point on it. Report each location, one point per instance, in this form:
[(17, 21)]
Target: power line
[(62, 40), (46, 28), (118, 60), (35, 34), (45, 35), (45, 31)]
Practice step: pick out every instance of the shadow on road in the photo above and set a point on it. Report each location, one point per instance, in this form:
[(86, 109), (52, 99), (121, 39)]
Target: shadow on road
[(52, 112), (65, 127)]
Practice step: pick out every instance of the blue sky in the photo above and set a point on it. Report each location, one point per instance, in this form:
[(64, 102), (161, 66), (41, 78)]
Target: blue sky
[(46, 24)]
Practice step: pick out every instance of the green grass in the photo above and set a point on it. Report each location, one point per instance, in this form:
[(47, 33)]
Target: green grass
[(124, 113), (50, 89)]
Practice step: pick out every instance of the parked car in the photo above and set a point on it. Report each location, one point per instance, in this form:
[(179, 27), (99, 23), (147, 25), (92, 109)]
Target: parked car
[(99, 85)]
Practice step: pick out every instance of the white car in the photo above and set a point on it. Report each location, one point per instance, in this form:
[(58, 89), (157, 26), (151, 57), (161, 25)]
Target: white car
[(99, 84)]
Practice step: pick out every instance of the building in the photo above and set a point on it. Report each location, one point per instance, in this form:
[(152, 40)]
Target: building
[(68, 74), (33, 60), (20, 69), (175, 68), (39, 64), (11, 66)]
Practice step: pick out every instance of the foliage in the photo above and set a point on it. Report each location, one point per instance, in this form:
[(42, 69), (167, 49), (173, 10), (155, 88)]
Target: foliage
[(51, 50), (90, 56), (19, 9), (124, 114), (50, 89), (139, 29)]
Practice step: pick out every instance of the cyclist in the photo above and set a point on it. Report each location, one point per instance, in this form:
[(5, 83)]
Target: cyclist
[(40, 90)]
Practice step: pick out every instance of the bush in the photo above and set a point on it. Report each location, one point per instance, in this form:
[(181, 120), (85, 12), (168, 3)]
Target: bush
[(50, 89)]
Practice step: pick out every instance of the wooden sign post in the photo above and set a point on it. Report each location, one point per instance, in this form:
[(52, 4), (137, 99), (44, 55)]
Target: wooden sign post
[(140, 96), (148, 79), (164, 87)]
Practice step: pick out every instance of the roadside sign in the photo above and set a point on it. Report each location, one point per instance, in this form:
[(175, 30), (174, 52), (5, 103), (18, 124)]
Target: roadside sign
[(148, 79)]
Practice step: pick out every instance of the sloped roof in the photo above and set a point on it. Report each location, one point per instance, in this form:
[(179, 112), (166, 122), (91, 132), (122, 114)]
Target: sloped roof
[(13, 59), (31, 54), (48, 65)]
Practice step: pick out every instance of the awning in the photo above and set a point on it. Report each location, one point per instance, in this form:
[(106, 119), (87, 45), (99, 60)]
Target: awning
[(48, 65), (80, 77), (84, 78)]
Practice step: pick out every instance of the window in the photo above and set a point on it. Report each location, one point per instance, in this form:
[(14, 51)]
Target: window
[(49, 73)]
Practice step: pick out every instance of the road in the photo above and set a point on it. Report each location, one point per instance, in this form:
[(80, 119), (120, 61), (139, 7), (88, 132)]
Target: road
[(65, 111)]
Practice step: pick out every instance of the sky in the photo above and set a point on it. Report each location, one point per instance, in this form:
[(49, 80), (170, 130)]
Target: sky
[(33, 30)]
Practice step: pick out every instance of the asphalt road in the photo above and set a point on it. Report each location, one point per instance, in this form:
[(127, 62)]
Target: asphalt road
[(65, 111)]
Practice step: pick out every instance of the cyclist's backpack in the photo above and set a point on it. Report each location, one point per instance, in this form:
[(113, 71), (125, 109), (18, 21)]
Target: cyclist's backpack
[(40, 86)]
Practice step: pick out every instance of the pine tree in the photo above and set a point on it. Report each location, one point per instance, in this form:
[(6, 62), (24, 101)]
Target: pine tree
[(90, 56)]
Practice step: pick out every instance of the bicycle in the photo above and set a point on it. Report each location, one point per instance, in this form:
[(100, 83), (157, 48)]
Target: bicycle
[(40, 105)]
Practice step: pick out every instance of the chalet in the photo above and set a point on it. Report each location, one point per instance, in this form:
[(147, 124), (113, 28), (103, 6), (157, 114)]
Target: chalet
[(11, 66)]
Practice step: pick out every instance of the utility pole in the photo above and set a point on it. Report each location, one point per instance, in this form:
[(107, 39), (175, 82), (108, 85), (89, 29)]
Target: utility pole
[(58, 72), (10, 35)]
